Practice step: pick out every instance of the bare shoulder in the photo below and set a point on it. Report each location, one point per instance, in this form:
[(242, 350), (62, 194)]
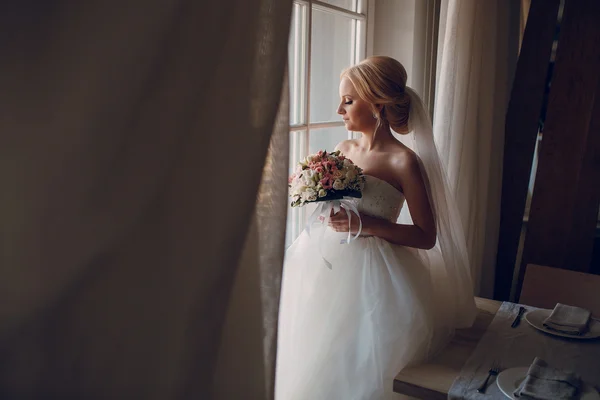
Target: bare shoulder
[(405, 162), (346, 146)]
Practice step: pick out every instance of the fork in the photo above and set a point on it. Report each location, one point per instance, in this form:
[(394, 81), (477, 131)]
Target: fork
[(493, 371)]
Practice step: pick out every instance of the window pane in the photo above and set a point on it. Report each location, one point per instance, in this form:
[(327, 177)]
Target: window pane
[(295, 218), (297, 69), (347, 4), (332, 44), (326, 138), (298, 148)]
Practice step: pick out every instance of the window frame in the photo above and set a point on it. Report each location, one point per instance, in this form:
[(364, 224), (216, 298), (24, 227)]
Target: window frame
[(300, 80)]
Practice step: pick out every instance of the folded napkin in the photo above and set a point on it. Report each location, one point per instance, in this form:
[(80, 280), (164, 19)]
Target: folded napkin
[(544, 382), (568, 319)]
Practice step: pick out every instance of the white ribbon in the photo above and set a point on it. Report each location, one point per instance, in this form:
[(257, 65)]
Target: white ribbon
[(324, 208)]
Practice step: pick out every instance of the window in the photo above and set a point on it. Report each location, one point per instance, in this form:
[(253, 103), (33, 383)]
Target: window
[(325, 37)]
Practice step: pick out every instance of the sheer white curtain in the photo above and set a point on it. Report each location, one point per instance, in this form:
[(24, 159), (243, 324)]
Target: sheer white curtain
[(477, 50), (132, 142)]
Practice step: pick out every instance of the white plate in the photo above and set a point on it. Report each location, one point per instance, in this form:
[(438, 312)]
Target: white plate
[(536, 319), (509, 380)]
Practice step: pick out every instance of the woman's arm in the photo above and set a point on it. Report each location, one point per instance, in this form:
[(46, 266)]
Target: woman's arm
[(422, 234), (405, 235)]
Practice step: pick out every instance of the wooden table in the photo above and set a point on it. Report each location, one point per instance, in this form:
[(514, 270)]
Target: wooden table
[(434, 379)]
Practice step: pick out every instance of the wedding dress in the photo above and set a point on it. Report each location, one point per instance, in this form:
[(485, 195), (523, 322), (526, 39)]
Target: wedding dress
[(352, 315), (345, 332)]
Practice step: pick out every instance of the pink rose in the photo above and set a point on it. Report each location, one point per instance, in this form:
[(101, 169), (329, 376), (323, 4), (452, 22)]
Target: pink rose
[(326, 182)]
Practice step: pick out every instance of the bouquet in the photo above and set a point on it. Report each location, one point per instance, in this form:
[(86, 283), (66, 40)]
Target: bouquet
[(328, 178), (323, 177)]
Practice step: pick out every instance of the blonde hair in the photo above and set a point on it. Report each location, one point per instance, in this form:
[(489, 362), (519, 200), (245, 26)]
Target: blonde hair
[(381, 80)]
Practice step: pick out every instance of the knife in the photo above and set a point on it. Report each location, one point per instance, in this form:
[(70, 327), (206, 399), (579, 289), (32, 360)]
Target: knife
[(518, 317)]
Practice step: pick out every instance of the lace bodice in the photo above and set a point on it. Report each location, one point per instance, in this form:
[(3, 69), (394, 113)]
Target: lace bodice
[(380, 199)]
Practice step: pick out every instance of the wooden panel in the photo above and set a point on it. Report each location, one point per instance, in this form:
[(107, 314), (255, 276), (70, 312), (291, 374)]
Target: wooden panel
[(564, 206), (545, 286), (581, 241), (433, 379), (520, 134)]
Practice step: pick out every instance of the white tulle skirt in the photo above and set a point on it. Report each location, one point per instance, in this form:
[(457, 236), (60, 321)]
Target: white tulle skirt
[(345, 332)]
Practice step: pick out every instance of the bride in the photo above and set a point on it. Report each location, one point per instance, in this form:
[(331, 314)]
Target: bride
[(394, 295)]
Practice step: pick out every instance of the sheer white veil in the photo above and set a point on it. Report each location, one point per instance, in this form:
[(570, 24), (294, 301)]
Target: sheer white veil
[(447, 261)]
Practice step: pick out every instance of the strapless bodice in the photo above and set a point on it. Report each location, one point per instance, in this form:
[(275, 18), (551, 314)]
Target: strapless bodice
[(380, 199)]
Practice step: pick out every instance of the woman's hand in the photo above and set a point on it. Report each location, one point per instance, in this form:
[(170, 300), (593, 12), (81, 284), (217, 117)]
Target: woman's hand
[(339, 221)]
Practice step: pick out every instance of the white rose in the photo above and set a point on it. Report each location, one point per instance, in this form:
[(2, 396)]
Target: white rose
[(307, 178), (309, 159), (300, 188), (338, 174), (351, 174), (322, 193), (309, 183), (338, 185), (297, 186), (309, 195)]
